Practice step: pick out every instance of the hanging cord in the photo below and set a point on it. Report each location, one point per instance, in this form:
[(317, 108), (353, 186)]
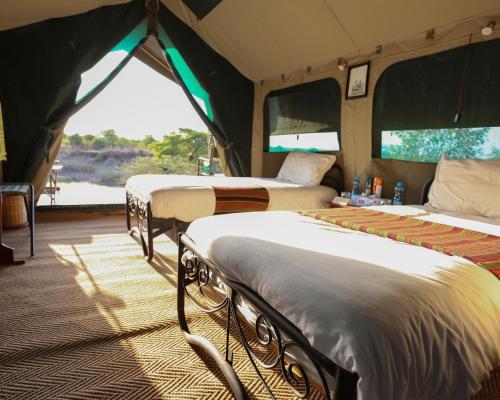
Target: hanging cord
[(460, 98), (152, 6)]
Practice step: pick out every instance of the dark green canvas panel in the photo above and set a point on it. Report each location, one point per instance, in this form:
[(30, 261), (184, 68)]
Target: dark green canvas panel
[(121, 55), (423, 93), (40, 72), (201, 8), (186, 74), (306, 108), (230, 94)]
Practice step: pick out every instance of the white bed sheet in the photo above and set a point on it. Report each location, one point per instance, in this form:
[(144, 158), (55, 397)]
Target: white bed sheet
[(412, 322), (187, 198)]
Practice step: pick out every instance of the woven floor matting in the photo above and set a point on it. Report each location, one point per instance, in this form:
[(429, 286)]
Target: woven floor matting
[(89, 318)]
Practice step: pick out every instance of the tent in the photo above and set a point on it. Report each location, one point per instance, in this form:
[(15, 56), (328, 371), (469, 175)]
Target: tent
[(233, 54)]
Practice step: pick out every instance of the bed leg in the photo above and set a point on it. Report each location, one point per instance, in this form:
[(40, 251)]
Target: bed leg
[(223, 362), (149, 218), (127, 210), (138, 229), (346, 387)]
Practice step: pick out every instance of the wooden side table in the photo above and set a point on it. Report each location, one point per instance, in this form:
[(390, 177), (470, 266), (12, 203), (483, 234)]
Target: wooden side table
[(27, 191)]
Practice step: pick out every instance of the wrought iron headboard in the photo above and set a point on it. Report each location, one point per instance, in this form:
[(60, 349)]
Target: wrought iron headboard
[(334, 178), (424, 195)]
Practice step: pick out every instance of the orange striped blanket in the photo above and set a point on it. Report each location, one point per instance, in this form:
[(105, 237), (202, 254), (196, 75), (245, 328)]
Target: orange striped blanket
[(240, 199), (480, 248)]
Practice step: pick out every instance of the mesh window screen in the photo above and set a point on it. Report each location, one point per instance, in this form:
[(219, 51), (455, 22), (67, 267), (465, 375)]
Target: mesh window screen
[(416, 104), (304, 117)]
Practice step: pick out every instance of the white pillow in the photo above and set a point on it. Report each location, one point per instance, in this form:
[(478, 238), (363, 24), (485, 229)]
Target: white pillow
[(467, 186), (306, 168)]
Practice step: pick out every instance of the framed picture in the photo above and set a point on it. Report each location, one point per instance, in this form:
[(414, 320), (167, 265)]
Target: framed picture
[(357, 81)]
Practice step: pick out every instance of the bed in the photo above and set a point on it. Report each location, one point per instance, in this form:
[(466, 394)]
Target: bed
[(158, 204), (372, 317)]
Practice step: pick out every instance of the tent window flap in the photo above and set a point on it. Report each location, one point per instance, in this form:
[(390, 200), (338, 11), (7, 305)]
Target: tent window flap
[(102, 70), (223, 94), (305, 117), (416, 103)]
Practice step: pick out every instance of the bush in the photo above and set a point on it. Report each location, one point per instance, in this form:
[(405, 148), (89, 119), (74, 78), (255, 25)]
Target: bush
[(163, 165), (110, 159), (75, 140), (99, 143), (109, 177)]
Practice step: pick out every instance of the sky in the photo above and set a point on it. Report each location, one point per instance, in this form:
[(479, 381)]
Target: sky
[(138, 102)]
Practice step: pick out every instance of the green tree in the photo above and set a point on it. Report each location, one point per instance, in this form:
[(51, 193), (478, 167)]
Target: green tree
[(194, 144), (75, 140), (110, 137), (429, 144), (88, 140), (148, 139), (188, 143), (495, 153)]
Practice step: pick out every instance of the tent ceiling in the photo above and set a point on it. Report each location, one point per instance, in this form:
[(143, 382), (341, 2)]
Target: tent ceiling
[(150, 53), (15, 13), (265, 39)]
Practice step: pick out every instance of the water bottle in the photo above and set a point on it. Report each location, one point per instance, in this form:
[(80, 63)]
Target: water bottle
[(369, 186), (356, 184), (398, 198)]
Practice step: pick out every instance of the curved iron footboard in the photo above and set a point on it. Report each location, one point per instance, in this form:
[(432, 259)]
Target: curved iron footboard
[(287, 349), (146, 227)]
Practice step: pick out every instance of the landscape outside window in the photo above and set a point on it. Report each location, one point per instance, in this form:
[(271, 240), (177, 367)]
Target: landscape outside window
[(142, 123), (428, 145), (313, 141), (304, 117)]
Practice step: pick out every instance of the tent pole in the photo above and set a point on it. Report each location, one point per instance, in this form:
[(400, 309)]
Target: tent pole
[(152, 6)]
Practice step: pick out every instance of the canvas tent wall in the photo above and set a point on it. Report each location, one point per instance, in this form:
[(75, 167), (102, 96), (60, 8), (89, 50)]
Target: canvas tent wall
[(38, 88), (282, 43)]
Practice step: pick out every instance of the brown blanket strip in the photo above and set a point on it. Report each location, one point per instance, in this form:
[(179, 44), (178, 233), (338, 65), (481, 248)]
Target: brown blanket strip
[(233, 200)]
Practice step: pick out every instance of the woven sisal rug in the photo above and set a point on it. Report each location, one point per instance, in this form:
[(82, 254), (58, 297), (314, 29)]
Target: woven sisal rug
[(88, 318)]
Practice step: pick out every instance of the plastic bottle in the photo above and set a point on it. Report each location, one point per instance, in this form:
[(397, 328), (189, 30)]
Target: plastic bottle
[(377, 187), (369, 186), (398, 198), (356, 184)]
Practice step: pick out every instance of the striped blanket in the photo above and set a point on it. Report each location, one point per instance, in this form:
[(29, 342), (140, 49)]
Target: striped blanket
[(238, 199), (480, 248)]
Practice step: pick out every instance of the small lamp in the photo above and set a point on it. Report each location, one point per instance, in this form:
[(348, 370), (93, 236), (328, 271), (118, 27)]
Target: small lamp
[(488, 29), (341, 64)]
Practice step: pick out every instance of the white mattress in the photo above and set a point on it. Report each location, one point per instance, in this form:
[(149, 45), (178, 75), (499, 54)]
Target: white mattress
[(187, 198), (412, 322)]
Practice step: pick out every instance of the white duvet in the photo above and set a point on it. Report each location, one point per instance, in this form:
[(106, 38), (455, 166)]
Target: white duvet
[(187, 198), (411, 322)]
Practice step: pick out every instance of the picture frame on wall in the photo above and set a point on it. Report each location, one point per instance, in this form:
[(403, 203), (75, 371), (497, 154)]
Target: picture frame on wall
[(357, 81)]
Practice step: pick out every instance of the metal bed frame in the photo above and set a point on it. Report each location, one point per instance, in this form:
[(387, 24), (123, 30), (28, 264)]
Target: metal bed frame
[(147, 226), (424, 194), (273, 331)]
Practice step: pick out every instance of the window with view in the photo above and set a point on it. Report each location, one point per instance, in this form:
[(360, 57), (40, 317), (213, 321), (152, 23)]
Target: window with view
[(427, 145), (441, 104), (303, 118)]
